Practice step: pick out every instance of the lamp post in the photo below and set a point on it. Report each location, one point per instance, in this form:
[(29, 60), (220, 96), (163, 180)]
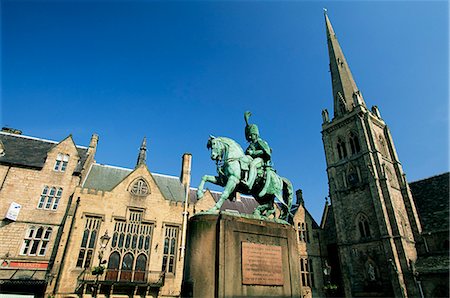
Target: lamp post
[(97, 271)]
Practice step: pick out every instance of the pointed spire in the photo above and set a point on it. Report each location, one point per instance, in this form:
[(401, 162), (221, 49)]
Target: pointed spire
[(345, 92), (142, 153)]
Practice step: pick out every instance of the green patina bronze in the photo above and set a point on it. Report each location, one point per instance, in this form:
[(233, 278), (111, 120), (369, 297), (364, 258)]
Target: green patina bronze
[(248, 173)]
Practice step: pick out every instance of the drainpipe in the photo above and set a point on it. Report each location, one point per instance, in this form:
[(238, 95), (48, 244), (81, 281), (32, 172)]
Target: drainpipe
[(59, 236), (185, 219), (60, 270), (187, 183)]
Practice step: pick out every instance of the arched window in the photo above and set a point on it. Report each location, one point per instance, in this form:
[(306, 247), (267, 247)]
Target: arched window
[(113, 266), (363, 226), (141, 265), (354, 143), (127, 267), (342, 151)]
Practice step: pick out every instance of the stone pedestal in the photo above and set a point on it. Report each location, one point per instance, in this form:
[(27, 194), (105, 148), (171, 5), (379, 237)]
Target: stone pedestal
[(228, 256)]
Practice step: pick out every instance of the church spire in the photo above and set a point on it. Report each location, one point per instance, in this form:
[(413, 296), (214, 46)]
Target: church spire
[(142, 153), (345, 92)]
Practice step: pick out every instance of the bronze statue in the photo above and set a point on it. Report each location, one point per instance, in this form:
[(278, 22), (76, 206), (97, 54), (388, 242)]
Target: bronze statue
[(233, 165)]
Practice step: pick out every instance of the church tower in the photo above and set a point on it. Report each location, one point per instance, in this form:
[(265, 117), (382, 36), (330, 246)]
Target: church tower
[(376, 221)]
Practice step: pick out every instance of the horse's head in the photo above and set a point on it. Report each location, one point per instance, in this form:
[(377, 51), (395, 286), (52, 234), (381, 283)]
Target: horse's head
[(216, 147)]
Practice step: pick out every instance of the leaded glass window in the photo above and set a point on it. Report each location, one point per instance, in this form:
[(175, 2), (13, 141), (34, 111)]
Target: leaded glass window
[(130, 248), (170, 250), (88, 241)]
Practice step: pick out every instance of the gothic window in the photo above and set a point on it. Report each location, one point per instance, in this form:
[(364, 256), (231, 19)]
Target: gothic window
[(130, 246), (170, 249), (342, 151), (50, 198), (306, 272), (303, 232), (36, 241), (354, 143), (88, 241), (141, 265), (127, 267), (363, 226), (61, 162), (113, 266), (140, 187)]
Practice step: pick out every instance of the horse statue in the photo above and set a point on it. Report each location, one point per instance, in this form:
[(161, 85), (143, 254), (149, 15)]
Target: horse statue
[(232, 169)]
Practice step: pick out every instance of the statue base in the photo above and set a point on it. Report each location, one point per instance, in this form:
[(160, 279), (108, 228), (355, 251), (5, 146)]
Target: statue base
[(229, 255)]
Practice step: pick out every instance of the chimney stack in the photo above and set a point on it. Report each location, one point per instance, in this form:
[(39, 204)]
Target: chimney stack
[(185, 177), (299, 195), (238, 197)]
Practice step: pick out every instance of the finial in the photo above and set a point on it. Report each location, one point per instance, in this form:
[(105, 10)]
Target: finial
[(142, 153), (325, 11)]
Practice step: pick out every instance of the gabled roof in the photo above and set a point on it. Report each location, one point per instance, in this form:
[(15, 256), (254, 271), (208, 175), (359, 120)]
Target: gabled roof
[(105, 178), (431, 196), (29, 152), (295, 209)]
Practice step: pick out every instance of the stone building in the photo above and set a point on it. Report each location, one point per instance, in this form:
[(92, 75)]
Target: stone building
[(38, 178), (374, 235)]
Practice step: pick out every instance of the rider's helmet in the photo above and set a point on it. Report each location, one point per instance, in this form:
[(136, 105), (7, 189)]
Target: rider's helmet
[(249, 129)]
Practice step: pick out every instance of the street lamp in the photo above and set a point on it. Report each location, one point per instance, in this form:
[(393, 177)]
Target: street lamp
[(327, 272), (97, 271)]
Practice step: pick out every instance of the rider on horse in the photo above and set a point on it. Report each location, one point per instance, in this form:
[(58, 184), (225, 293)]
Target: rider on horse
[(258, 149)]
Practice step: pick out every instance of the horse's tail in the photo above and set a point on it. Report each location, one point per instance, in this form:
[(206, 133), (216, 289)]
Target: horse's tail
[(288, 193)]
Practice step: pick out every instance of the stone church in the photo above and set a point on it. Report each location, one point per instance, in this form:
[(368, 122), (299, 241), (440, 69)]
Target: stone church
[(378, 239), (63, 215)]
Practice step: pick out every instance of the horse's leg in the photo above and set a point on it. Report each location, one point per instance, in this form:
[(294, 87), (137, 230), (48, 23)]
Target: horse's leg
[(206, 178), (232, 182)]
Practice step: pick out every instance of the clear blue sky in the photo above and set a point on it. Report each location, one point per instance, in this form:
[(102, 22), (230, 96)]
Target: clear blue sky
[(177, 72)]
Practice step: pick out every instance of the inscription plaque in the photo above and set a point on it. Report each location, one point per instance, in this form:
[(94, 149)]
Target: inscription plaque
[(261, 264)]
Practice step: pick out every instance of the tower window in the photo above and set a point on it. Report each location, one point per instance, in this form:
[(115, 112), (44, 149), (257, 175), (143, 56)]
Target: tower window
[(363, 225), (354, 143), (342, 151)]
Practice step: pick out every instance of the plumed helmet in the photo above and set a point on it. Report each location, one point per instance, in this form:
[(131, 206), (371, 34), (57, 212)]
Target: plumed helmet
[(250, 128)]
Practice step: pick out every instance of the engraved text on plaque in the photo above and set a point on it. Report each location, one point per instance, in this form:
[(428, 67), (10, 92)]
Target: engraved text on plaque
[(261, 264)]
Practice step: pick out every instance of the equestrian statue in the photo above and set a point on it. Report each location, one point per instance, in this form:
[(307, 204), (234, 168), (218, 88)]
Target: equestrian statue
[(248, 173)]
